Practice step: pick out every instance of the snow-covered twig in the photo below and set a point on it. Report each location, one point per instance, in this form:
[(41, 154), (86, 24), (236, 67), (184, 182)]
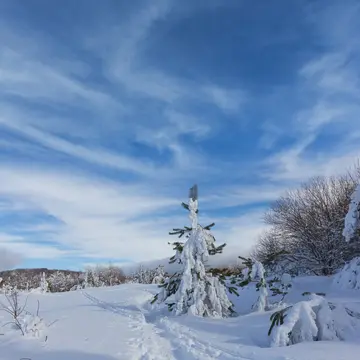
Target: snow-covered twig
[(14, 308)]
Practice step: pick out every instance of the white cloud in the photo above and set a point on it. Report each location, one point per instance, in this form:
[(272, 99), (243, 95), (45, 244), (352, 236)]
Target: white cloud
[(37, 79), (329, 87), (96, 216), (240, 232), (125, 63), (8, 259), (17, 122), (100, 218), (177, 124), (243, 195), (228, 100)]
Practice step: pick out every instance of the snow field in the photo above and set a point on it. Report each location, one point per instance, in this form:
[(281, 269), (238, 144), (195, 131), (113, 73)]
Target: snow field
[(119, 323)]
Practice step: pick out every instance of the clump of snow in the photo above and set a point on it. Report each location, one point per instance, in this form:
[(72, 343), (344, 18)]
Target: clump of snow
[(34, 326), (258, 272), (298, 325), (349, 276), (325, 322), (352, 219), (261, 302), (313, 320)]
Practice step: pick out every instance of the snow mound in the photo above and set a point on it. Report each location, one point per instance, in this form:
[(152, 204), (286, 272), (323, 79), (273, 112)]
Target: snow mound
[(313, 320), (349, 277)]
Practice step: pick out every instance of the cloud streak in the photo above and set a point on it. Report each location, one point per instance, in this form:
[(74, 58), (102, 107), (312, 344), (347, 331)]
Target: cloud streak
[(102, 132)]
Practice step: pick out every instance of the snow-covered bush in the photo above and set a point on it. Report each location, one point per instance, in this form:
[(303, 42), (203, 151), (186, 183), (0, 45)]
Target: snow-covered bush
[(349, 276), (98, 276), (311, 320), (109, 275), (20, 318), (193, 290), (34, 326), (307, 225), (13, 307), (60, 282)]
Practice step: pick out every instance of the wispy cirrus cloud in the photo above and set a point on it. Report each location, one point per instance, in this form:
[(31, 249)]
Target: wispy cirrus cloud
[(105, 126), (329, 88)]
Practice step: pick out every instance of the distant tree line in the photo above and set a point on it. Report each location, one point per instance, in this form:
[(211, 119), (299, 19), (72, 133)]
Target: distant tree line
[(46, 280), (62, 280)]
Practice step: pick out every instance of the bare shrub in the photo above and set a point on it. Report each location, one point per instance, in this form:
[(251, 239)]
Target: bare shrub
[(23, 320), (14, 308), (307, 224)]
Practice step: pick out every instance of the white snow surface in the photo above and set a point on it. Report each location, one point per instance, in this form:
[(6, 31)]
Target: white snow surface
[(118, 323)]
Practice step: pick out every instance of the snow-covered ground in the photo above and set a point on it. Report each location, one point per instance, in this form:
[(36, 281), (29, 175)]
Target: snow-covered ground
[(118, 323)]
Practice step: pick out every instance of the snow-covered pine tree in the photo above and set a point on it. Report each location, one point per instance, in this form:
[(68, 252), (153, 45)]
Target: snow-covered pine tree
[(44, 286), (86, 279), (193, 290), (352, 220), (254, 272), (143, 275), (92, 276), (159, 275)]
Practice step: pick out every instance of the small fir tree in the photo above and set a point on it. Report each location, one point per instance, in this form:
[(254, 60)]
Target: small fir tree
[(351, 230), (254, 272), (159, 275), (86, 279), (193, 289), (44, 285)]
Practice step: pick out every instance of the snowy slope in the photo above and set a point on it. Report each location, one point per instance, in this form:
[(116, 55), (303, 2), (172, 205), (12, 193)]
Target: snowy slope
[(118, 323)]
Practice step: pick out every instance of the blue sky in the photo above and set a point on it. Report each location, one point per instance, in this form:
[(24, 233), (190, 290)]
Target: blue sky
[(111, 110)]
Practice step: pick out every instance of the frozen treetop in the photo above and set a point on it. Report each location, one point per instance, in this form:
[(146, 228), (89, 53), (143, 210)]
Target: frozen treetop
[(352, 219), (193, 207)]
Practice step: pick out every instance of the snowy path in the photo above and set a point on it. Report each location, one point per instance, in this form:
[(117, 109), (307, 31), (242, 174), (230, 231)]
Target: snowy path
[(94, 323), (118, 324), (157, 338), (88, 324)]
